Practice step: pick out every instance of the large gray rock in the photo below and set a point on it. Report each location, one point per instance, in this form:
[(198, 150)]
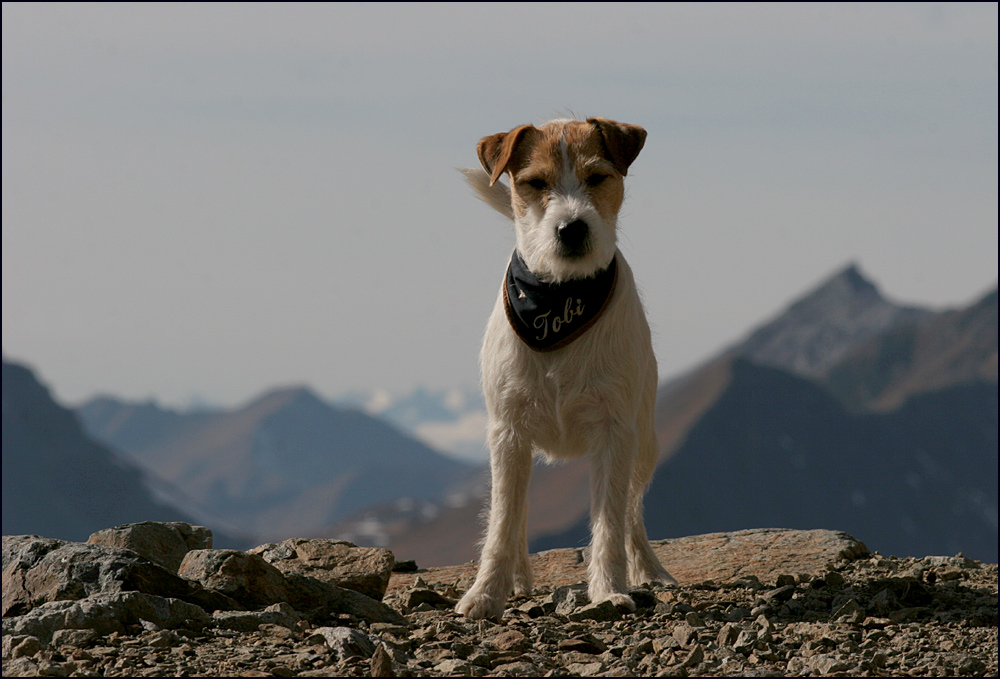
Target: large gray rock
[(324, 600), (346, 641), (253, 582), (246, 578), (40, 570), (162, 543), (337, 562), (104, 614)]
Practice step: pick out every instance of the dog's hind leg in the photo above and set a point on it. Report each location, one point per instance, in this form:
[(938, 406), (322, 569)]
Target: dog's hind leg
[(504, 565), (524, 579), (643, 565)]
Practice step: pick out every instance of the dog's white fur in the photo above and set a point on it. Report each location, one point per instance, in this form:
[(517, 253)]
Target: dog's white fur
[(594, 396)]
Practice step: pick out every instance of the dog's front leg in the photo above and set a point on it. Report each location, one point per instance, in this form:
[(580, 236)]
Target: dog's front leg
[(504, 564), (610, 474)]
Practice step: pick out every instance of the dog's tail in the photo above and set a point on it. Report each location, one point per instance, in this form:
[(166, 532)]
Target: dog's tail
[(496, 196)]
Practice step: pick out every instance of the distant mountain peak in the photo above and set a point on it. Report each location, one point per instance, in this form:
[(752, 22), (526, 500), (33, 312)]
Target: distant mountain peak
[(285, 397), (820, 327), (849, 286), (851, 275)]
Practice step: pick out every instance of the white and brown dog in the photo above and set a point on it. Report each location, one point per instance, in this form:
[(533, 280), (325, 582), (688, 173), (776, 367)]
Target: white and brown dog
[(567, 363)]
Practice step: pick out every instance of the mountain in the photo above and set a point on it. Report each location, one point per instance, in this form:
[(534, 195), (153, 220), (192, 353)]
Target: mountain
[(57, 481), (287, 464), (831, 367), (816, 331), (452, 421), (954, 347), (776, 450)]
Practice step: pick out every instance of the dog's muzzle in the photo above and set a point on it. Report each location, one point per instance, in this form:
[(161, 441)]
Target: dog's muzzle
[(573, 237)]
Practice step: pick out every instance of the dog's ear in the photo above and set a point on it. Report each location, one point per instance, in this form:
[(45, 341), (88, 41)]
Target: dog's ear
[(497, 150), (622, 141)]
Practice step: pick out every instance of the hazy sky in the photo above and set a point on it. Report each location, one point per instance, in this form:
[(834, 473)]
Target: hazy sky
[(219, 199)]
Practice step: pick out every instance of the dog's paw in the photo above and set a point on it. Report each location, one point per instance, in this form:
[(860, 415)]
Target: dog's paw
[(524, 582), (476, 606), (666, 578), (643, 568), (619, 600), (659, 577)]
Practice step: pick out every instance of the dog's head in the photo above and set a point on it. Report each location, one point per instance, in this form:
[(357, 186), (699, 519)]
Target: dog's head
[(566, 188)]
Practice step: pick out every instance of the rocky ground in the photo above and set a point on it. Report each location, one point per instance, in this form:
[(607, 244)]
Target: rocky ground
[(155, 600)]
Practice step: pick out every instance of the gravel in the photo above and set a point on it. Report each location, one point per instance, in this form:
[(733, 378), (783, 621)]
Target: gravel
[(875, 616)]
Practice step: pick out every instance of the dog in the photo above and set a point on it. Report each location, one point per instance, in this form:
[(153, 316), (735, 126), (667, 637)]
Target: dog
[(567, 363)]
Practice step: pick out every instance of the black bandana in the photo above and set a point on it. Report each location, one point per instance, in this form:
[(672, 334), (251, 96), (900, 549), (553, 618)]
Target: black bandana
[(549, 316)]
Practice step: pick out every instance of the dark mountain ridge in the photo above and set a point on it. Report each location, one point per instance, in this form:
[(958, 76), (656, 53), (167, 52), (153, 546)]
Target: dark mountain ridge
[(778, 450), (59, 482)]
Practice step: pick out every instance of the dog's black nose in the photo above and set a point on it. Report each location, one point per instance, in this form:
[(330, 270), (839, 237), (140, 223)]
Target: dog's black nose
[(574, 234)]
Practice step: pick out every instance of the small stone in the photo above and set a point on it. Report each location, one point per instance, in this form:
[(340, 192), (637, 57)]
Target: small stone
[(785, 580), (569, 598), (745, 642), (828, 664), (518, 668), (73, 637), (420, 596), (751, 582), (834, 580), (685, 634), (585, 644), (736, 614), (532, 609), (850, 612), (601, 612), (346, 642), (728, 635), (585, 669), (971, 666), (695, 657), (162, 639), (479, 659), (694, 619), (780, 595), (250, 621), (452, 666), (28, 646), (381, 663), (510, 640)]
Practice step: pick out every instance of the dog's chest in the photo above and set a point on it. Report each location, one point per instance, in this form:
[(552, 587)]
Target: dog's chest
[(564, 411)]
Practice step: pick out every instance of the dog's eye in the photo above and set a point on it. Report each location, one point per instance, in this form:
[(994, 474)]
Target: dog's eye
[(596, 179), (537, 184)]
